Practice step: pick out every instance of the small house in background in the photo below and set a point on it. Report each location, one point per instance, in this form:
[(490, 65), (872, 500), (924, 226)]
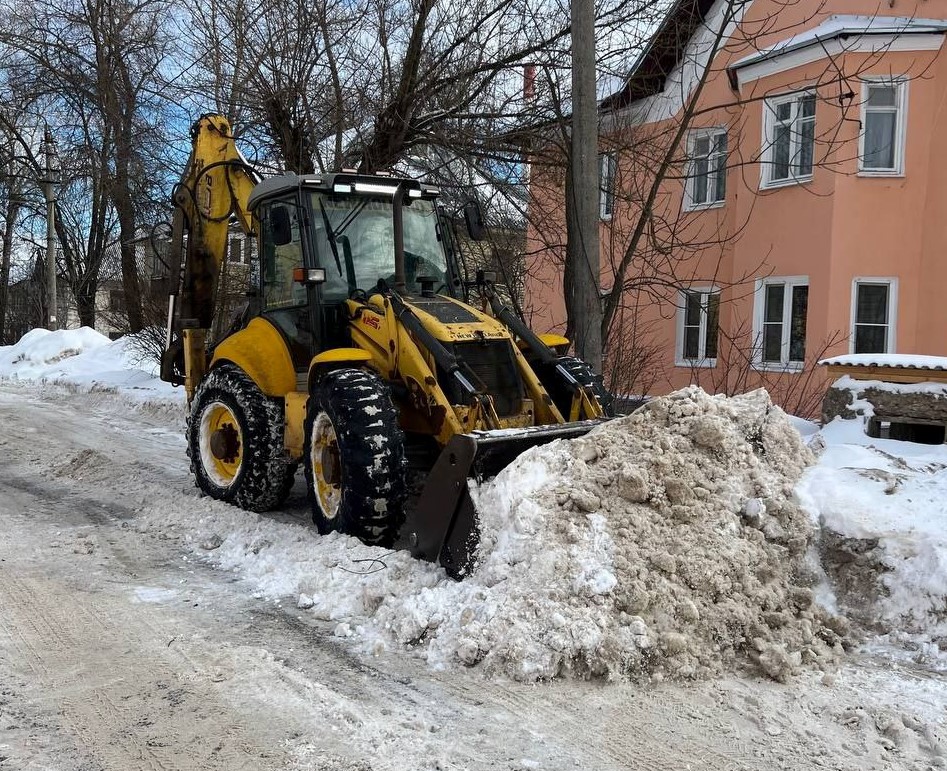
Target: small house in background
[(804, 213), (154, 271), (900, 396), (26, 304)]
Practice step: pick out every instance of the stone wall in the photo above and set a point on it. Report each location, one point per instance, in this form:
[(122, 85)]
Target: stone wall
[(887, 403)]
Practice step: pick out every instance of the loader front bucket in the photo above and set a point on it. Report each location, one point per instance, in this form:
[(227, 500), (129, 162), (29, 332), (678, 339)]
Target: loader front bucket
[(443, 526)]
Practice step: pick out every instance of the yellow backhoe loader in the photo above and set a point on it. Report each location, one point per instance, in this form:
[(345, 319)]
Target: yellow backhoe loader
[(356, 356)]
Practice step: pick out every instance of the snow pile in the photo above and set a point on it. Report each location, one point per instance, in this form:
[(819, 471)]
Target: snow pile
[(666, 543), (663, 544), (40, 351), (881, 506), (85, 358)]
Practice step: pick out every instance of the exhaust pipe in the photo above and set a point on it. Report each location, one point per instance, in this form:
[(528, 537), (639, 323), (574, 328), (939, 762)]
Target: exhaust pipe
[(397, 213)]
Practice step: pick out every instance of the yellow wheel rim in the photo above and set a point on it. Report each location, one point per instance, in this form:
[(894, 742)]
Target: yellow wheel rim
[(326, 466), (221, 444)]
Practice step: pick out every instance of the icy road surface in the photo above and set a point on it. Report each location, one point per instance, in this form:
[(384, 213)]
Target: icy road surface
[(123, 650)]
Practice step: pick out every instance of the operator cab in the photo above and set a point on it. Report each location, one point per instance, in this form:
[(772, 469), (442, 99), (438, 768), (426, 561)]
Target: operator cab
[(327, 238)]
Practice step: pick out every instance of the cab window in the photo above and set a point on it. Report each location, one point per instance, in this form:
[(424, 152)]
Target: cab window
[(354, 241), (279, 260)]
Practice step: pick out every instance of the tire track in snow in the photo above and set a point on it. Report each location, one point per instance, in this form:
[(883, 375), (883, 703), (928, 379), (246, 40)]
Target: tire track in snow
[(129, 703), (632, 734)]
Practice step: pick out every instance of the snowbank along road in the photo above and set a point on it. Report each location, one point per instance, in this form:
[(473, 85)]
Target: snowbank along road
[(144, 627)]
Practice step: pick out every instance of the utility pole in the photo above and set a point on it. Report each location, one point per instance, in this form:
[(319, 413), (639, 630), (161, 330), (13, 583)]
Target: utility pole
[(50, 182), (585, 186)]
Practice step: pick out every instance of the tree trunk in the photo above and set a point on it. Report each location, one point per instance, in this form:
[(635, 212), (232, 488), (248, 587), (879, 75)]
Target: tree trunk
[(125, 209), (394, 125), (5, 256), (85, 304), (293, 138)]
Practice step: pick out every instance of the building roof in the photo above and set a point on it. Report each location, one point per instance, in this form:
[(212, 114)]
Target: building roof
[(666, 48), (842, 26), (897, 360), (662, 54)]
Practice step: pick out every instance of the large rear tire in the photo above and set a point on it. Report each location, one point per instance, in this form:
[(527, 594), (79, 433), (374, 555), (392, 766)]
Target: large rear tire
[(559, 391), (354, 457), (235, 442)]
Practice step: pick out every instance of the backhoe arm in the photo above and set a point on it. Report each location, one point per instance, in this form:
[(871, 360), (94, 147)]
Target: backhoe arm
[(214, 188)]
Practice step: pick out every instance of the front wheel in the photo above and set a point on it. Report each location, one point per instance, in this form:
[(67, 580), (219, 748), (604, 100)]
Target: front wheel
[(355, 467), (235, 442)]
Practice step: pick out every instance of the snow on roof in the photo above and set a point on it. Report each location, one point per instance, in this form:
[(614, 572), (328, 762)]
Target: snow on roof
[(904, 360), (841, 26), (661, 54)]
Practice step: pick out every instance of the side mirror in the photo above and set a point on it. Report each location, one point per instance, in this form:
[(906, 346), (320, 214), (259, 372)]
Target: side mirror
[(280, 226), (474, 219)]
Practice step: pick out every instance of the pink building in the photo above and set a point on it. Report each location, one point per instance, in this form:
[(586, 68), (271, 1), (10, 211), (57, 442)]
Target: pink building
[(804, 213)]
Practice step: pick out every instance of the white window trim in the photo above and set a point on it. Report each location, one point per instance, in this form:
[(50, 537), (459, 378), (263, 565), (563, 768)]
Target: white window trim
[(892, 337), (769, 119), (679, 360), (759, 308), (900, 131), (605, 194), (692, 138)]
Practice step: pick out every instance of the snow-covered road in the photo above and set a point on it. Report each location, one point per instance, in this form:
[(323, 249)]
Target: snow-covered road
[(121, 648)]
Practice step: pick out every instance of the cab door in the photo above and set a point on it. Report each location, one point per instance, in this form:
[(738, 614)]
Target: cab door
[(285, 302)]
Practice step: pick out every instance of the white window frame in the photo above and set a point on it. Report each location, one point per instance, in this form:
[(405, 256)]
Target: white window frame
[(607, 174), (711, 133), (759, 311), (769, 145), (891, 338), (700, 361), (900, 131)]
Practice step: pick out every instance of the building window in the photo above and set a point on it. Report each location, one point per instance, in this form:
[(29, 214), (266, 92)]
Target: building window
[(707, 168), (606, 182), (698, 326), (236, 251), (781, 307), (790, 139), (873, 314), (882, 138), (117, 300)]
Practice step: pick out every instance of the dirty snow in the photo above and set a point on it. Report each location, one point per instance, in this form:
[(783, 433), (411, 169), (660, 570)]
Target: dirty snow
[(882, 508), (665, 543)]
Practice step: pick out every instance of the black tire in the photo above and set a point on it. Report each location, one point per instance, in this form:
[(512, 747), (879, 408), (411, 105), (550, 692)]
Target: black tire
[(354, 457), (559, 391), (254, 472)]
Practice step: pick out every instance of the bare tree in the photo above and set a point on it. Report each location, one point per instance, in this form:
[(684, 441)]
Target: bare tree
[(91, 66), (12, 187), (379, 82), (272, 68)]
